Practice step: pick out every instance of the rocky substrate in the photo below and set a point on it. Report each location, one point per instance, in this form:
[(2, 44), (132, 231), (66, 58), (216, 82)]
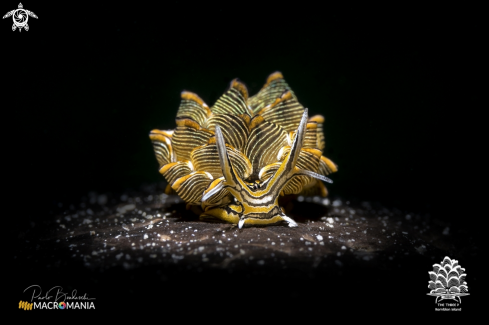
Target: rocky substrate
[(145, 243)]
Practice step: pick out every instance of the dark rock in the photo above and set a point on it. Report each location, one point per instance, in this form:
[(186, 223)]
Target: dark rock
[(148, 244)]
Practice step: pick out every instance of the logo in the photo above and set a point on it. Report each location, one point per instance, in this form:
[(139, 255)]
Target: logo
[(25, 305), (447, 282), (20, 17), (55, 298)]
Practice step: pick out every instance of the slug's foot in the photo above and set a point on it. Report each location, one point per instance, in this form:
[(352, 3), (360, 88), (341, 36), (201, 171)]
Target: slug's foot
[(289, 220), (232, 214), (210, 218), (277, 219), (226, 214)]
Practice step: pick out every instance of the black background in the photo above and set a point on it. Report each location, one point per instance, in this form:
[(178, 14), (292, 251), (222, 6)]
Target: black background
[(86, 84)]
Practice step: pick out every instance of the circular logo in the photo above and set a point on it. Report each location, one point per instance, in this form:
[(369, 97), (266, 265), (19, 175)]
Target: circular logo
[(20, 17), (62, 305)]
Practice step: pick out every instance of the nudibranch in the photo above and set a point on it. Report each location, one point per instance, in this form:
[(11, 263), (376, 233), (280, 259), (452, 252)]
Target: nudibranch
[(233, 160)]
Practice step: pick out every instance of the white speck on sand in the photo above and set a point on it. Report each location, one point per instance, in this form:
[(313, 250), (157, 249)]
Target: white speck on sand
[(337, 203), (126, 208), (421, 249)]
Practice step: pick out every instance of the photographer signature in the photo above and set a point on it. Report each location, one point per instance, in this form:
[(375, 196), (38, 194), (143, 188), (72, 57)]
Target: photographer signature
[(55, 292)]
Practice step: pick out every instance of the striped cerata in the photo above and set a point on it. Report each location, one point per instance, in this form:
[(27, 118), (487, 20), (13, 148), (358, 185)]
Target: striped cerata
[(233, 160)]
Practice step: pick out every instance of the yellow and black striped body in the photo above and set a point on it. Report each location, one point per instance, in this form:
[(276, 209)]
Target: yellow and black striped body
[(236, 158)]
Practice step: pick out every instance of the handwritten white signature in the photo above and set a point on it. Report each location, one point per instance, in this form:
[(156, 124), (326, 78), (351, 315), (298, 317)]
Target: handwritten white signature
[(55, 292)]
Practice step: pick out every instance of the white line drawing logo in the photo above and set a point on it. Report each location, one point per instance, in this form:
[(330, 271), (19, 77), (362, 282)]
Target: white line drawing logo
[(447, 281), (20, 17)]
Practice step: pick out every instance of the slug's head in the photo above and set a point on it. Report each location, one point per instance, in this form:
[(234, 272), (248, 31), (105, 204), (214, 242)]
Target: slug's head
[(257, 203)]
